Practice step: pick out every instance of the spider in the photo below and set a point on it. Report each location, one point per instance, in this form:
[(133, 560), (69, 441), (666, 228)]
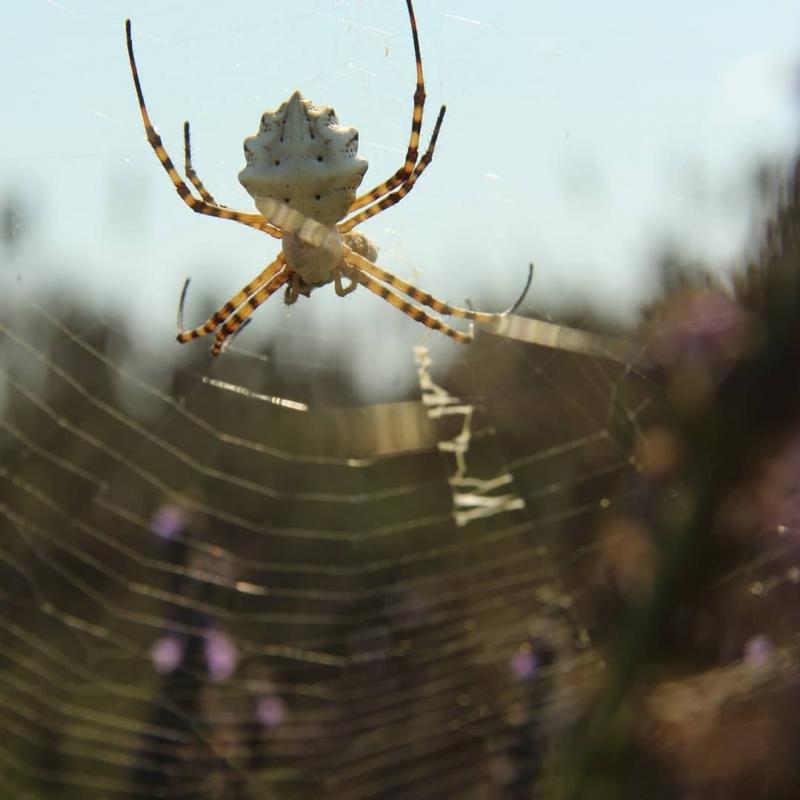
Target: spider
[(303, 171)]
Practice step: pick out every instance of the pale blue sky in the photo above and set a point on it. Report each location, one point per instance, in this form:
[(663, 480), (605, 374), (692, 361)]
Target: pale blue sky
[(578, 136)]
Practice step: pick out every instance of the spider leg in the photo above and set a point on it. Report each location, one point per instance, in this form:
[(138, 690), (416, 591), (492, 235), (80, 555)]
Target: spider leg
[(240, 317), (362, 265), (201, 206), (189, 169), (292, 290), (405, 187), (340, 288), (225, 311), (416, 126), (407, 308)]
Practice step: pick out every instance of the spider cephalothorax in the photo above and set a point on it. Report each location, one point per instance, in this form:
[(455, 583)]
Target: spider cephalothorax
[(303, 171)]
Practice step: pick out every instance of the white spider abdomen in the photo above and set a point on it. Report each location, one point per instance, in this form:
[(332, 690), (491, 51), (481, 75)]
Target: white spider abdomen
[(303, 158)]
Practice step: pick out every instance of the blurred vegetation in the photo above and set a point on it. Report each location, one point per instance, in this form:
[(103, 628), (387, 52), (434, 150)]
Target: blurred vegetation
[(205, 599), (702, 667)]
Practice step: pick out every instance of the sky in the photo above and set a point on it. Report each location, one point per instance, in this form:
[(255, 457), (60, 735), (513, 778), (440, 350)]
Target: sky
[(580, 136)]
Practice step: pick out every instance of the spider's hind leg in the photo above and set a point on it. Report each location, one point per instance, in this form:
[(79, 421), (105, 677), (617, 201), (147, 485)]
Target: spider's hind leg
[(236, 320), (225, 311), (366, 267), (407, 308)]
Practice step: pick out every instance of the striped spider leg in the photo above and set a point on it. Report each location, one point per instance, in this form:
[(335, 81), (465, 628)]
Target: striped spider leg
[(365, 272), (360, 271), (405, 172), (240, 317), (229, 312), (205, 205), (200, 206), (388, 194), (188, 169)]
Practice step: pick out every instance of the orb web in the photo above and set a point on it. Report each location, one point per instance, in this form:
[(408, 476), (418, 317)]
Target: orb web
[(236, 593)]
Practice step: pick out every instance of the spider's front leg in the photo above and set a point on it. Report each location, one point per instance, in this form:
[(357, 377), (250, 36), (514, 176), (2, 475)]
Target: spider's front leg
[(198, 205), (403, 174), (189, 170)]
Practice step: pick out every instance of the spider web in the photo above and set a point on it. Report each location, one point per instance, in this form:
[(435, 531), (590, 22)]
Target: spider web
[(243, 582), (216, 590)]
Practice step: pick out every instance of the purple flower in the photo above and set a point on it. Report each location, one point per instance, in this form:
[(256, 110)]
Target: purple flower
[(700, 334), (271, 711), (757, 650), (166, 653), (168, 521), (524, 664), (222, 656)]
